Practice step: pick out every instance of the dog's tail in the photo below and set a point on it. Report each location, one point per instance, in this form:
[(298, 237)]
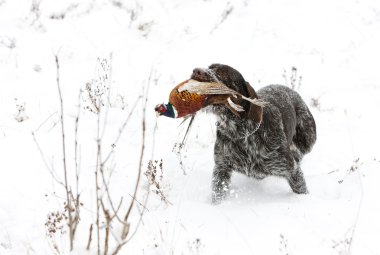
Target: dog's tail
[(306, 131)]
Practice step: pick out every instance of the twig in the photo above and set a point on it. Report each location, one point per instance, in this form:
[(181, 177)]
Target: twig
[(141, 215), (76, 159), (51, 115), (293, 78), (50, 169), (98, 165), (140, 160), (89, 239), (227, 11), (71, 236), (358, 212), (115, 210), (108, 218), (121, 131), (108, 88), (126, 227), (77, 166), (142, 205)]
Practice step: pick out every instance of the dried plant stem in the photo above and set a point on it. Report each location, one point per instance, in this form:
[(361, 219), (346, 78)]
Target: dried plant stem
[(121, 131), (68, 200), (126, 217), (50, 169), (108, 219), (141, 212), (89, 238), (107, 105), (97, 187), (143, 126), (106, 187), (227, 11), (360, 205), (126, 227), (76, 151)]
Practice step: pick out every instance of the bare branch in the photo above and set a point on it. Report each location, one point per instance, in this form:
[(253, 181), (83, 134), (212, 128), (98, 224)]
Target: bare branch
[(227, 11), (50, 169), (43, 123), (121, 130), (141, 215), (76, 153), (89, 238), (108, 219), (97, 187), (140, 160), (71, 234), (115, 210), (108, 86), (126, 227)]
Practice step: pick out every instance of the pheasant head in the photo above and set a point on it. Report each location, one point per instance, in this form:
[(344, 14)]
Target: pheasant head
[(166, 110)]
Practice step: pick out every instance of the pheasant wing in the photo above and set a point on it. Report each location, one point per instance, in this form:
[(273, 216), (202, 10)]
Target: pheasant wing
[(207, 88)]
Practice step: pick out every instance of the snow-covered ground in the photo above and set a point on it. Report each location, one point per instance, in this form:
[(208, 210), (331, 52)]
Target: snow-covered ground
[(146, 48)]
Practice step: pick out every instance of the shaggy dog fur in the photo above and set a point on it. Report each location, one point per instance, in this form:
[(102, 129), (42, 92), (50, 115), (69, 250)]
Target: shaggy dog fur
[(262, 141)]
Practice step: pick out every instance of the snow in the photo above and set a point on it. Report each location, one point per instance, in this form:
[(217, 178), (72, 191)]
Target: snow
[(157, 44)]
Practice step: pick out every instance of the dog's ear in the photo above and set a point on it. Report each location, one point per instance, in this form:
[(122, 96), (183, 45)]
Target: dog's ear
[(255, 112)]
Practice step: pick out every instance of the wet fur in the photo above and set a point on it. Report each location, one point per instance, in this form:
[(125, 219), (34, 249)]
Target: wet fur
[(286, 134)]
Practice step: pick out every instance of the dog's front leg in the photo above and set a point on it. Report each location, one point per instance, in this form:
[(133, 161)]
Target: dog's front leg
[(221, 179), (297, 181)]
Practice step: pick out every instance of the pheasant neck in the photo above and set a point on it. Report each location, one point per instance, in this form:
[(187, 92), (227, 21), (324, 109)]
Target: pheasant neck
[(170, 111)]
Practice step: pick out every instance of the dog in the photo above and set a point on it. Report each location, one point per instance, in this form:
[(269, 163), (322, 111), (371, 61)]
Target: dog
[(263, 140)]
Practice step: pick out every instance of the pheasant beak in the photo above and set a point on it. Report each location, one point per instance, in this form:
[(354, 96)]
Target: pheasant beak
[(158, 114)]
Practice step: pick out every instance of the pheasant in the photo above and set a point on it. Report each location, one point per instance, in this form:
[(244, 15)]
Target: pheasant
[(190, 96)]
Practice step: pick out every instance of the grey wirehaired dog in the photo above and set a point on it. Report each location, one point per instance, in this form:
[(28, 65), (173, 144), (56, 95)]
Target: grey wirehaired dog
[(262, 141)]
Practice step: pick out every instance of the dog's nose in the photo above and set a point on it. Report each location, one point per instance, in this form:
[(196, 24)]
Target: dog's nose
[(198, 71), (199, 74)]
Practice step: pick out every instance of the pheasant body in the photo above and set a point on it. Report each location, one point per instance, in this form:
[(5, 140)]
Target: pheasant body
[(185, 102)]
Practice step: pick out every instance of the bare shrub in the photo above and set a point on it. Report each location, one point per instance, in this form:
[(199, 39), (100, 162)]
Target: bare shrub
[(98, 89), (154, 174), (177, 149), (110, 215), (294, 81)]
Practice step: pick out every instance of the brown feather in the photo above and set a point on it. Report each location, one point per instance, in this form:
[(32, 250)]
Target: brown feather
[(255, 112), (185, 102)]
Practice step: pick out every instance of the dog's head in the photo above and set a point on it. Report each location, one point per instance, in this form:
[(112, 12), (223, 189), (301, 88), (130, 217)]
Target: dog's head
[(232, 79)]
